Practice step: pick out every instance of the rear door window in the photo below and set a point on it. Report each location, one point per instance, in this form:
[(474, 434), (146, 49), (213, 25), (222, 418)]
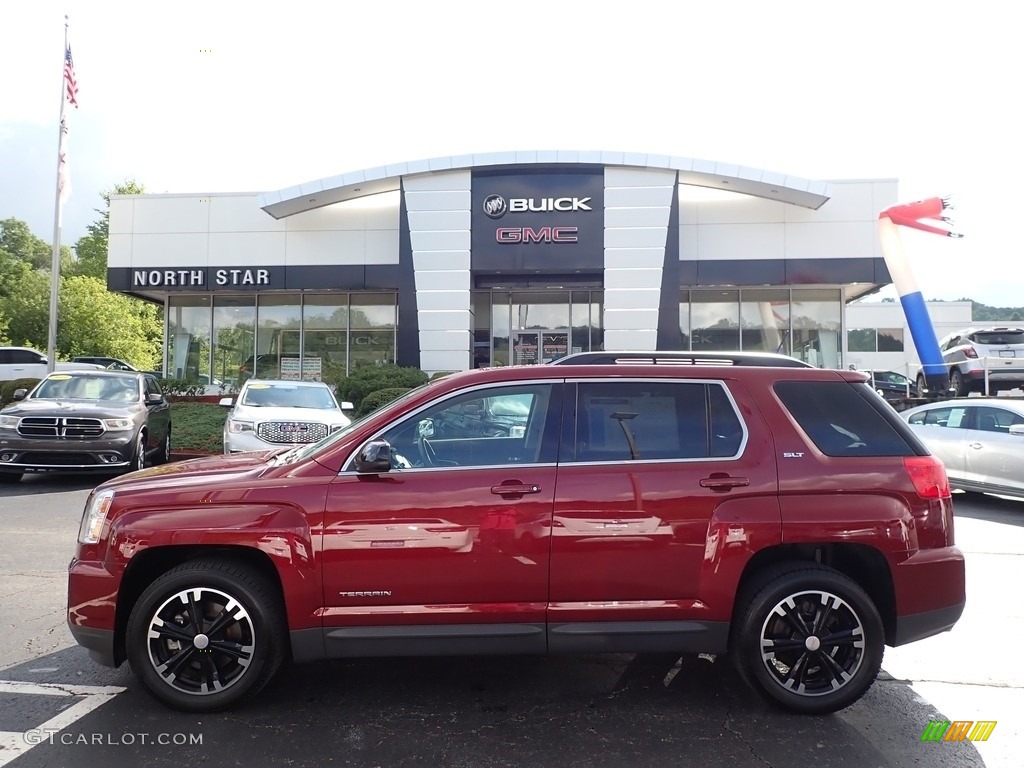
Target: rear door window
[(620, 421), (953, 417), (846, 419)]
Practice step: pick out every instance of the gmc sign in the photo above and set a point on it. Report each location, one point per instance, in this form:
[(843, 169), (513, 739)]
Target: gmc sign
[(539, 235)]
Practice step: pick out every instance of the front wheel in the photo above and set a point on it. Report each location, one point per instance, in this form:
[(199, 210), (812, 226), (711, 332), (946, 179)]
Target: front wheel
[(206, 634), (956, 383), (810, 639)]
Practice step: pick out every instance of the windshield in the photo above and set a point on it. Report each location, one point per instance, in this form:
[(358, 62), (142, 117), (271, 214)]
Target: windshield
[(999, 337), (84, 386), (298, 454), (288, 396)]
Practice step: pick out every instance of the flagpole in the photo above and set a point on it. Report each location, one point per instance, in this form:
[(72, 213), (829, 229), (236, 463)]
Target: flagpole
[(51, 344)]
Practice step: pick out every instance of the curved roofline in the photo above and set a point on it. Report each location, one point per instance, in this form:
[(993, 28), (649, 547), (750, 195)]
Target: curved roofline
[(770, 185)]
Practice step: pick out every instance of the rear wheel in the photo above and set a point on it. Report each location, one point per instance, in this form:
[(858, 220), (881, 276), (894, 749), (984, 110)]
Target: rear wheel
[(206, 634), (808, 639), (956, 383)]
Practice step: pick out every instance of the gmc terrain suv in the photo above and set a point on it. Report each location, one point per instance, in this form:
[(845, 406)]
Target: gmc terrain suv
[(973, 353), (785, 516)]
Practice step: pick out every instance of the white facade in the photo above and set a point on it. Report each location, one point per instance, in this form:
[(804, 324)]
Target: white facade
[(645, 235)]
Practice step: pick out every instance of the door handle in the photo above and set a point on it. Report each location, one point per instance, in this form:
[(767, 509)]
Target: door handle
[(514, 489), (723, 482), (975, 446)]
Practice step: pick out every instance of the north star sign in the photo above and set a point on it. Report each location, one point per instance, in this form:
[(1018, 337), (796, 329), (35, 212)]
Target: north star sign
[(218, 277)]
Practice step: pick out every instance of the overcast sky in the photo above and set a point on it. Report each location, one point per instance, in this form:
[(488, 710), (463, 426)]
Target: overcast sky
[(218, 96)]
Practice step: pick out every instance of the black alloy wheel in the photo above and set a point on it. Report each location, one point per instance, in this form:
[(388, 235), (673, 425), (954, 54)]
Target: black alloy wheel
[(810, 639)]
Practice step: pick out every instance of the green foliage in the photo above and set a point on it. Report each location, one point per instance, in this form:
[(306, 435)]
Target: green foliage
[(371, 378), (7, 388), (91, 249), (182, 387), (197, 427), (381, 397), (982, 313)]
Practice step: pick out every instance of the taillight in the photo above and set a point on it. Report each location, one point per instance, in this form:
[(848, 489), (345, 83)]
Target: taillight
[(971, 352), (929, 476)]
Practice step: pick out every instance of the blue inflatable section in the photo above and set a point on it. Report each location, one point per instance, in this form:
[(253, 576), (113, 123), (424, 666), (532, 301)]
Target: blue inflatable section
[(921, 330)]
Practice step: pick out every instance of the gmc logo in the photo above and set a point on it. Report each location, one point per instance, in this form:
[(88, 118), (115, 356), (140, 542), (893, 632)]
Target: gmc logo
[(539, 235)]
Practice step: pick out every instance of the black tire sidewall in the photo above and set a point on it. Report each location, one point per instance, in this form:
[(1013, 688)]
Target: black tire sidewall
[(247, 588), (774, 589)]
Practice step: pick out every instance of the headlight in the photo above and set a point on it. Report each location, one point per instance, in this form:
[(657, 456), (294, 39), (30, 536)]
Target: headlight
[(9, 422), (118, 425), (239, 426), (94, 517)]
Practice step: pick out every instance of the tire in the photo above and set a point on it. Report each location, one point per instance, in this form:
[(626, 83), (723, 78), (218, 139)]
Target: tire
[(215, 669), (805, 671), (922, 386), (164, 455), (956, 383), (139, 455)]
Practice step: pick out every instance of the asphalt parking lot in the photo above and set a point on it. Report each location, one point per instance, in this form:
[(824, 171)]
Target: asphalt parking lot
[(58, 708)]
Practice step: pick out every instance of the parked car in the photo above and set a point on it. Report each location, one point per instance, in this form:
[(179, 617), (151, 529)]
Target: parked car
[(27, 363), (980, 440), (85, 421), (269, 413), (892, 385), (113, 364), (809, 528), (969, 352)]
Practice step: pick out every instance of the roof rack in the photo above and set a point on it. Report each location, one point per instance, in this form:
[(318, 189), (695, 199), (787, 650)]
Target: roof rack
[(765, 359)]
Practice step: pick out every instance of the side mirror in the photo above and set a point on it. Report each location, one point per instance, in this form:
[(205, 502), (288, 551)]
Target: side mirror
[(19, 394), (1016, 429), (347, 406), (226, 402), (154, 398), (375, 456)]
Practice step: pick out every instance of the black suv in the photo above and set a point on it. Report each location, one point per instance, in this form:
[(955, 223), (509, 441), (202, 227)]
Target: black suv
[(90, 420)]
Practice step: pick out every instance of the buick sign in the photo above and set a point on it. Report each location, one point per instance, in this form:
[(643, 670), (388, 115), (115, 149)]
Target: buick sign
[(495, 206)]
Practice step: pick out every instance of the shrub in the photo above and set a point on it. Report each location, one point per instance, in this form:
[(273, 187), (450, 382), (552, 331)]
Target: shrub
[(182, 388), (372, 378), (381, 397), (7, 388)]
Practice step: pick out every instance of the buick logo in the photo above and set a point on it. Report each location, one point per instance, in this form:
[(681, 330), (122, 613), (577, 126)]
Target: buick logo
[(495, 206)]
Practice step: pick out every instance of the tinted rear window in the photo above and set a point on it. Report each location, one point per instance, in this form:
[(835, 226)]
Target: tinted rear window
[(844, 419), (998, 337)]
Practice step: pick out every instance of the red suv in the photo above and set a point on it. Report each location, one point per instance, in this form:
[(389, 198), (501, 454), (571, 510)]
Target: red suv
[(786, 516)]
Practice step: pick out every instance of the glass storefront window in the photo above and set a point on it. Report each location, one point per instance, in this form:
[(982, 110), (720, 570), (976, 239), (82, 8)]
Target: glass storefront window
[(764, 320), (890, 339), (715, 319), (372, 322), (234, 338), (188, 338), (279, 320), (325, 337), (481, 329), (817, 319), (501, 327), (860, 339), (684, 317)]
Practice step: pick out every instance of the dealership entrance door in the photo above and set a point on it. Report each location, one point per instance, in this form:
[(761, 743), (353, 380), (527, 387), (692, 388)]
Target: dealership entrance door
[(535, 324), (539, 346)]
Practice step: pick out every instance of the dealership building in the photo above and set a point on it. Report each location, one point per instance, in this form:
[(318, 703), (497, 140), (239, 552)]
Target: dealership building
[(501, 259)]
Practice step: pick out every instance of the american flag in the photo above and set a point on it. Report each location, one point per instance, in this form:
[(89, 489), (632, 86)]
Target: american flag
[(69, 79)]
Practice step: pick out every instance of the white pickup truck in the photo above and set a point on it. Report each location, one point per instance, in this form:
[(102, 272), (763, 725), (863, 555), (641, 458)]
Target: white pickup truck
[(24, 362)]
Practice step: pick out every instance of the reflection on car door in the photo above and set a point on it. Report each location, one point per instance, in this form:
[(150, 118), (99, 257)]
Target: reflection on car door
[(434, 543), (994, 457), (945, 431), (640, 479)]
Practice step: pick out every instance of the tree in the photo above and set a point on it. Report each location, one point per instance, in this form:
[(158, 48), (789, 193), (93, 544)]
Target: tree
[(17, 240), (91, 249)]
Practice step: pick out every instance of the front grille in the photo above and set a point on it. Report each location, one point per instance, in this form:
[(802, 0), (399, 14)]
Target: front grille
[(291, 431), (60, 426), (59, 459)]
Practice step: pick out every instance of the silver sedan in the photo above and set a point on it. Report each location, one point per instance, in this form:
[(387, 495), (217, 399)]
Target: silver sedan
[(979, 439)]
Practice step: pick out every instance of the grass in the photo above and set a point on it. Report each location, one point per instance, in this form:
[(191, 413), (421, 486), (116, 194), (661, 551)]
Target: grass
[(198, 427)]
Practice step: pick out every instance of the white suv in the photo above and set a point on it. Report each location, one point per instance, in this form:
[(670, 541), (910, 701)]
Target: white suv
[(271, 413), (968, 353), (27, 363)]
